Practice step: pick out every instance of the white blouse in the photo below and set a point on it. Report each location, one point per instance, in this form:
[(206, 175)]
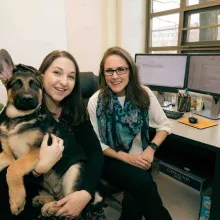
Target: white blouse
[(157, 119)]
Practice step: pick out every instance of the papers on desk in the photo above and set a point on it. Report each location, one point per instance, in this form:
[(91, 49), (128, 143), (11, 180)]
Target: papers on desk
[(201, 124)]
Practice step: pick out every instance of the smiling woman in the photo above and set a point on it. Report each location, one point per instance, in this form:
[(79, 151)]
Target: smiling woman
[(61, 84), (59, 81), (116, 74), (121, 112), (62, 98)]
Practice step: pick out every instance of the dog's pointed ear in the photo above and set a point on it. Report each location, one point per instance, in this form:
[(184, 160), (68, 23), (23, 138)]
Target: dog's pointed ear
[(6, 66)]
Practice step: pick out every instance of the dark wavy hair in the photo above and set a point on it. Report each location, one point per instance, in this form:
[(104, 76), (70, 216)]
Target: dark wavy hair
[(74, 110), (134, 90)]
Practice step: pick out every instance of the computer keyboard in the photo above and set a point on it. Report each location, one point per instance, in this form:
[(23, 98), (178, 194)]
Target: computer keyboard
[(173, 114)]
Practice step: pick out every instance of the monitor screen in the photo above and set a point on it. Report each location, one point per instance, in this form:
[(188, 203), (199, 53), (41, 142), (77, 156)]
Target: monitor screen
[(162, 70), (204, 74)]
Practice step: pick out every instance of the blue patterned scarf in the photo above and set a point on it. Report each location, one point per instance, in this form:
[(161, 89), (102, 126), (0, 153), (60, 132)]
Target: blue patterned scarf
[(119, 125)]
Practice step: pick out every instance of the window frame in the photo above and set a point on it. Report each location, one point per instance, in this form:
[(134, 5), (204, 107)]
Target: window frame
[(184, 11)]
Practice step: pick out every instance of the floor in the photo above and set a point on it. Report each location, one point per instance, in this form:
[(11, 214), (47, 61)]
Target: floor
[(183, 202)]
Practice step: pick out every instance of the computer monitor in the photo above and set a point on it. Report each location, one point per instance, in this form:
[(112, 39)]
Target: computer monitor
[(204, 77), (162, 72)]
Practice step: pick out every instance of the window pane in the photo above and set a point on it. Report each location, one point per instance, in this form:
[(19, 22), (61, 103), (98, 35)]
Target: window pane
[(204, 18), (165, 30), (194, 2), (205, 34), (167, 51), (163, 5)]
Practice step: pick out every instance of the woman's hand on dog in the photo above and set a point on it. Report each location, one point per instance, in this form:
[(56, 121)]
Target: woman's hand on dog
[(73, 204), (49, 154)]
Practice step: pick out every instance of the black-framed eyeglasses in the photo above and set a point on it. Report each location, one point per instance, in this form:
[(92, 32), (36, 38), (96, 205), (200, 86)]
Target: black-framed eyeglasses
[(119, 71)]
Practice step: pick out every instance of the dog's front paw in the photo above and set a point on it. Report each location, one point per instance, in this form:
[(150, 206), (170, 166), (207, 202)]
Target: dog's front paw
[(16, 193), (49, 209), (17, 204)]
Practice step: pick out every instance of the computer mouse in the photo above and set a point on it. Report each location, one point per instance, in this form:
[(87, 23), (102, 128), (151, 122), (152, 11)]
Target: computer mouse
[(193, 120)]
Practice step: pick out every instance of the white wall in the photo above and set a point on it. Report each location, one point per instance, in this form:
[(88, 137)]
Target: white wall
[(95, 25), (132, 27), (85, 25), (85, 28), (3, 94), (32, 29)]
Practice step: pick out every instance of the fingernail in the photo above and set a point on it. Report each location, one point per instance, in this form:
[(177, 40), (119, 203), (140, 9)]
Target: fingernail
[(55, 203)]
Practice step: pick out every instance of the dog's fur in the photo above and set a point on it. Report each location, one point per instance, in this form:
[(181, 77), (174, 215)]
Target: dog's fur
[(21, 133)]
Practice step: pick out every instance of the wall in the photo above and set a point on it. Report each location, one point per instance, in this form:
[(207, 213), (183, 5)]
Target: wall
[(94, 26), (132, 28), (3, 94), (32, 29), (86, 28)]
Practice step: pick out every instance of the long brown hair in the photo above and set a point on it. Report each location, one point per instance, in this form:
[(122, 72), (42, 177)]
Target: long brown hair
[(73, 107), (134, 90)]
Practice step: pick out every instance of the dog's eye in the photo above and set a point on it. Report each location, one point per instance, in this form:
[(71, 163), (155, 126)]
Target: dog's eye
[(17, 85), (33, 85)]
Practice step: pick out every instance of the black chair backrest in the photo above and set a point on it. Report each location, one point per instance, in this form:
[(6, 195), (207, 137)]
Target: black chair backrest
[(88, 85)]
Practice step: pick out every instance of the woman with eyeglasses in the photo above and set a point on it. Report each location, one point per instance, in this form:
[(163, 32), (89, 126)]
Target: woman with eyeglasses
[(121, 113)]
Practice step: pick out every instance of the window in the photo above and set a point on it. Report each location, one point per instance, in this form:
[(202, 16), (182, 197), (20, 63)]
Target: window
[(165, 30), (163, 5), (183, 25)]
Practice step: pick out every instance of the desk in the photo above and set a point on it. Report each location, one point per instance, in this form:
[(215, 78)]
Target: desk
[(207, 138)]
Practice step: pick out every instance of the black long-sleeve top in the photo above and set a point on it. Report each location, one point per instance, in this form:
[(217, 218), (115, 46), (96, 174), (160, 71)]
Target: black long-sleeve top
[(86, 137)]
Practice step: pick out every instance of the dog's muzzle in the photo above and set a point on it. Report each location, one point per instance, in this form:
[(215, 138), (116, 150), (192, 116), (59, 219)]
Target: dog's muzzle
[(25, 102)]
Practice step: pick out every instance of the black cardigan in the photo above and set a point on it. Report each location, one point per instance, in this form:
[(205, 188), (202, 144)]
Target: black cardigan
[(86, 137)]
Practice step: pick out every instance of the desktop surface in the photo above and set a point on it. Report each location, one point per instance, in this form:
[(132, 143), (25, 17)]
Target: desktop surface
[(209, 136)]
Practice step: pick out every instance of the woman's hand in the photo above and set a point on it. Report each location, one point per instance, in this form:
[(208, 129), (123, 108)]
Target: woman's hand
[(73, 204), (135, 160), (148, 155), (49, 155)]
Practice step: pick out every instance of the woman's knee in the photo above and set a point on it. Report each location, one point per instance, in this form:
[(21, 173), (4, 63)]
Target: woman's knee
[(143, 180)]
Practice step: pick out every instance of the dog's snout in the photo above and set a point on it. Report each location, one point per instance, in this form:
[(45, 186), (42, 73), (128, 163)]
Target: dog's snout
[(27, 98), (25, 102)]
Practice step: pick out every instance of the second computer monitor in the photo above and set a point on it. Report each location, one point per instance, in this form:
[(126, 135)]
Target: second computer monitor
[(164, 72), (204, 77), (204, 73)]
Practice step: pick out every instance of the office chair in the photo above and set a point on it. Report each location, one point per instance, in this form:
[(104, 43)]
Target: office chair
[(88, 85)]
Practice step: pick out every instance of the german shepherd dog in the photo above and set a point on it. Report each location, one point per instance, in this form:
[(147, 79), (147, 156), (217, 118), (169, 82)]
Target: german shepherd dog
[(26, 121)]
